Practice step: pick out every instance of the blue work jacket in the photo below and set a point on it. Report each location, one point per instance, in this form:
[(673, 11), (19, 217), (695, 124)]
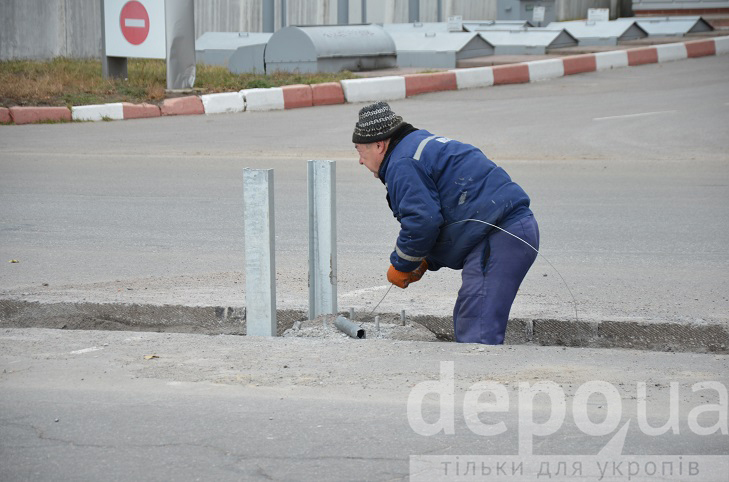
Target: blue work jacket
[(434, 184)]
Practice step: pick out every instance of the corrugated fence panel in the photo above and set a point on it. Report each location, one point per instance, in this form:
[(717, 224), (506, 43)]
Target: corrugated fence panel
[(43, 29)]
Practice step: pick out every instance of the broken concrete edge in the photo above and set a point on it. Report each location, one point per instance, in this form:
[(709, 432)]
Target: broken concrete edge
[(360, 90), (213, 320)]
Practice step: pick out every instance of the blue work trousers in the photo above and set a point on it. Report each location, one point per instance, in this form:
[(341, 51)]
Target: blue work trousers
[(492, 274)]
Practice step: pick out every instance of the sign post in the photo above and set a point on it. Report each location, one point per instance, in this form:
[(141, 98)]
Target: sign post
[(149, 29)]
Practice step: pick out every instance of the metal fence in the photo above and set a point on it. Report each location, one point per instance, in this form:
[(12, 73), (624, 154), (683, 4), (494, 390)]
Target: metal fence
[(43, 29)]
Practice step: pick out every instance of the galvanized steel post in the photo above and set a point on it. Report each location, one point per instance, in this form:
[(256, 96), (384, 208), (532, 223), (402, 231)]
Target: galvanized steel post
[(114, 67), (322, 238), (364, 11), (180, 33), (260, 266)]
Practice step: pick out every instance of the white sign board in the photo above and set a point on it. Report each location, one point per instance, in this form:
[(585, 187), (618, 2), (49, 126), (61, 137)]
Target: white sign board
[(538, 14), (598, 14), (135, 28), (455, 24)]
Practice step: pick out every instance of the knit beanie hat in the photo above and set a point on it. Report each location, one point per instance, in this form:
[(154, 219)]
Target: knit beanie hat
[(376, 123)]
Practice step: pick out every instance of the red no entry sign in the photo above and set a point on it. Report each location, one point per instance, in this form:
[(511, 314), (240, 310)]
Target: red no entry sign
[(134, 21)]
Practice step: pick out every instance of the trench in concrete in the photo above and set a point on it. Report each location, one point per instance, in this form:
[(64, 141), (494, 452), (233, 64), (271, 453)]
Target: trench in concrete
[(655, 336)]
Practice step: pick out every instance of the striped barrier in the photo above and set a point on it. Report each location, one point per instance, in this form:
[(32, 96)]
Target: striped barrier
[(98, 112), (140, 111), (263, 99), (545, 70), (296, 96), (225, 103), (328, 93), (422, 83), (32, 115), (474, 78), (190, 105), (511, 74), (375, 88)]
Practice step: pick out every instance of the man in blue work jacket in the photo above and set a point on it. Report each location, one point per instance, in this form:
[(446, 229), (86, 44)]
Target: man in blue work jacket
[(457, 209)]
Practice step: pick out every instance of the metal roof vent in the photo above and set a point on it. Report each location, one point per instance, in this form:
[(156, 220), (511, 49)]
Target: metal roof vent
[(477, 26), (528, 41), (671, 26), (438, 49), (592, 33), (216, 48), (330, 48)]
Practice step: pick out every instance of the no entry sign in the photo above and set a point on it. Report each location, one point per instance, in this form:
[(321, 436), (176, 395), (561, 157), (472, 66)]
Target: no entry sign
[(135, 28), (134, 22)]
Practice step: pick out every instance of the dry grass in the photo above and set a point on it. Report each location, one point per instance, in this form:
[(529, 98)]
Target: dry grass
[(68, 82)]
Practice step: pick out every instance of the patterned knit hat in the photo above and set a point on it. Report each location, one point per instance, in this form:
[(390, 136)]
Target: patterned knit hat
[(376, 123)]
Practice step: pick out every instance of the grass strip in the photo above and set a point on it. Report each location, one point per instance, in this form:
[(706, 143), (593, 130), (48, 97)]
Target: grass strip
[(68, 82)]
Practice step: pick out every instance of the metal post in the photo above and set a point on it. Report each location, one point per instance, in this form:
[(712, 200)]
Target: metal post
[(343, 12), (364, 11), (180, 33), (322, 238), (268, 24), (260, 266), (413, 11), (284, 20), (110, 66), (440, 11)]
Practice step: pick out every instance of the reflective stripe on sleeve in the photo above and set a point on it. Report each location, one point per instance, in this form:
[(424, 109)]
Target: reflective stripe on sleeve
[(406, 257), (420, 148)]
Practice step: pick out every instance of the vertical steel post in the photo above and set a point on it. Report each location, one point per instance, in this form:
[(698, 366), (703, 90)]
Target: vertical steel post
[(343, 12), (284, 20), (439, 15), (322, 238), (413, 11), (364, 11), (260, 266), (180, 33), (268, 20), (115, 67)]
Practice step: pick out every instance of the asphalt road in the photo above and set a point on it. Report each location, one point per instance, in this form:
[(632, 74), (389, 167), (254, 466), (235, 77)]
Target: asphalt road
[(93, 405), (627, 170), (629, 179)]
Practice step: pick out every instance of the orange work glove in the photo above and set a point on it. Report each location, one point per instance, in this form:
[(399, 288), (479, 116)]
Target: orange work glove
[(401, 279)]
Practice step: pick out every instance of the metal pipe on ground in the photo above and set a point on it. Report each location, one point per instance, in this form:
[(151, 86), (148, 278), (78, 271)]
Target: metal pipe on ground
[(352, 329)]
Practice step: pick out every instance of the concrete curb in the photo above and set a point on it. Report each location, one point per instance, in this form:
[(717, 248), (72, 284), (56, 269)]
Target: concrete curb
[(579, 64), (140, 111), (228, 102), (328, 93), (190, 105), (474, 78), (263, 99), (416, 84), (296, 96), (545, 70), (377, 88), (32, 115), (373, 89), (98, 112), (654, 336)]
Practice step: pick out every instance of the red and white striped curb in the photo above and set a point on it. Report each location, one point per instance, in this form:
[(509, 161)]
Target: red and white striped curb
[(375, 88)]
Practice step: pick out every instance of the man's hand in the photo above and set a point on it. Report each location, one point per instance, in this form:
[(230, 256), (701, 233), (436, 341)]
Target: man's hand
[(401, 279)]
